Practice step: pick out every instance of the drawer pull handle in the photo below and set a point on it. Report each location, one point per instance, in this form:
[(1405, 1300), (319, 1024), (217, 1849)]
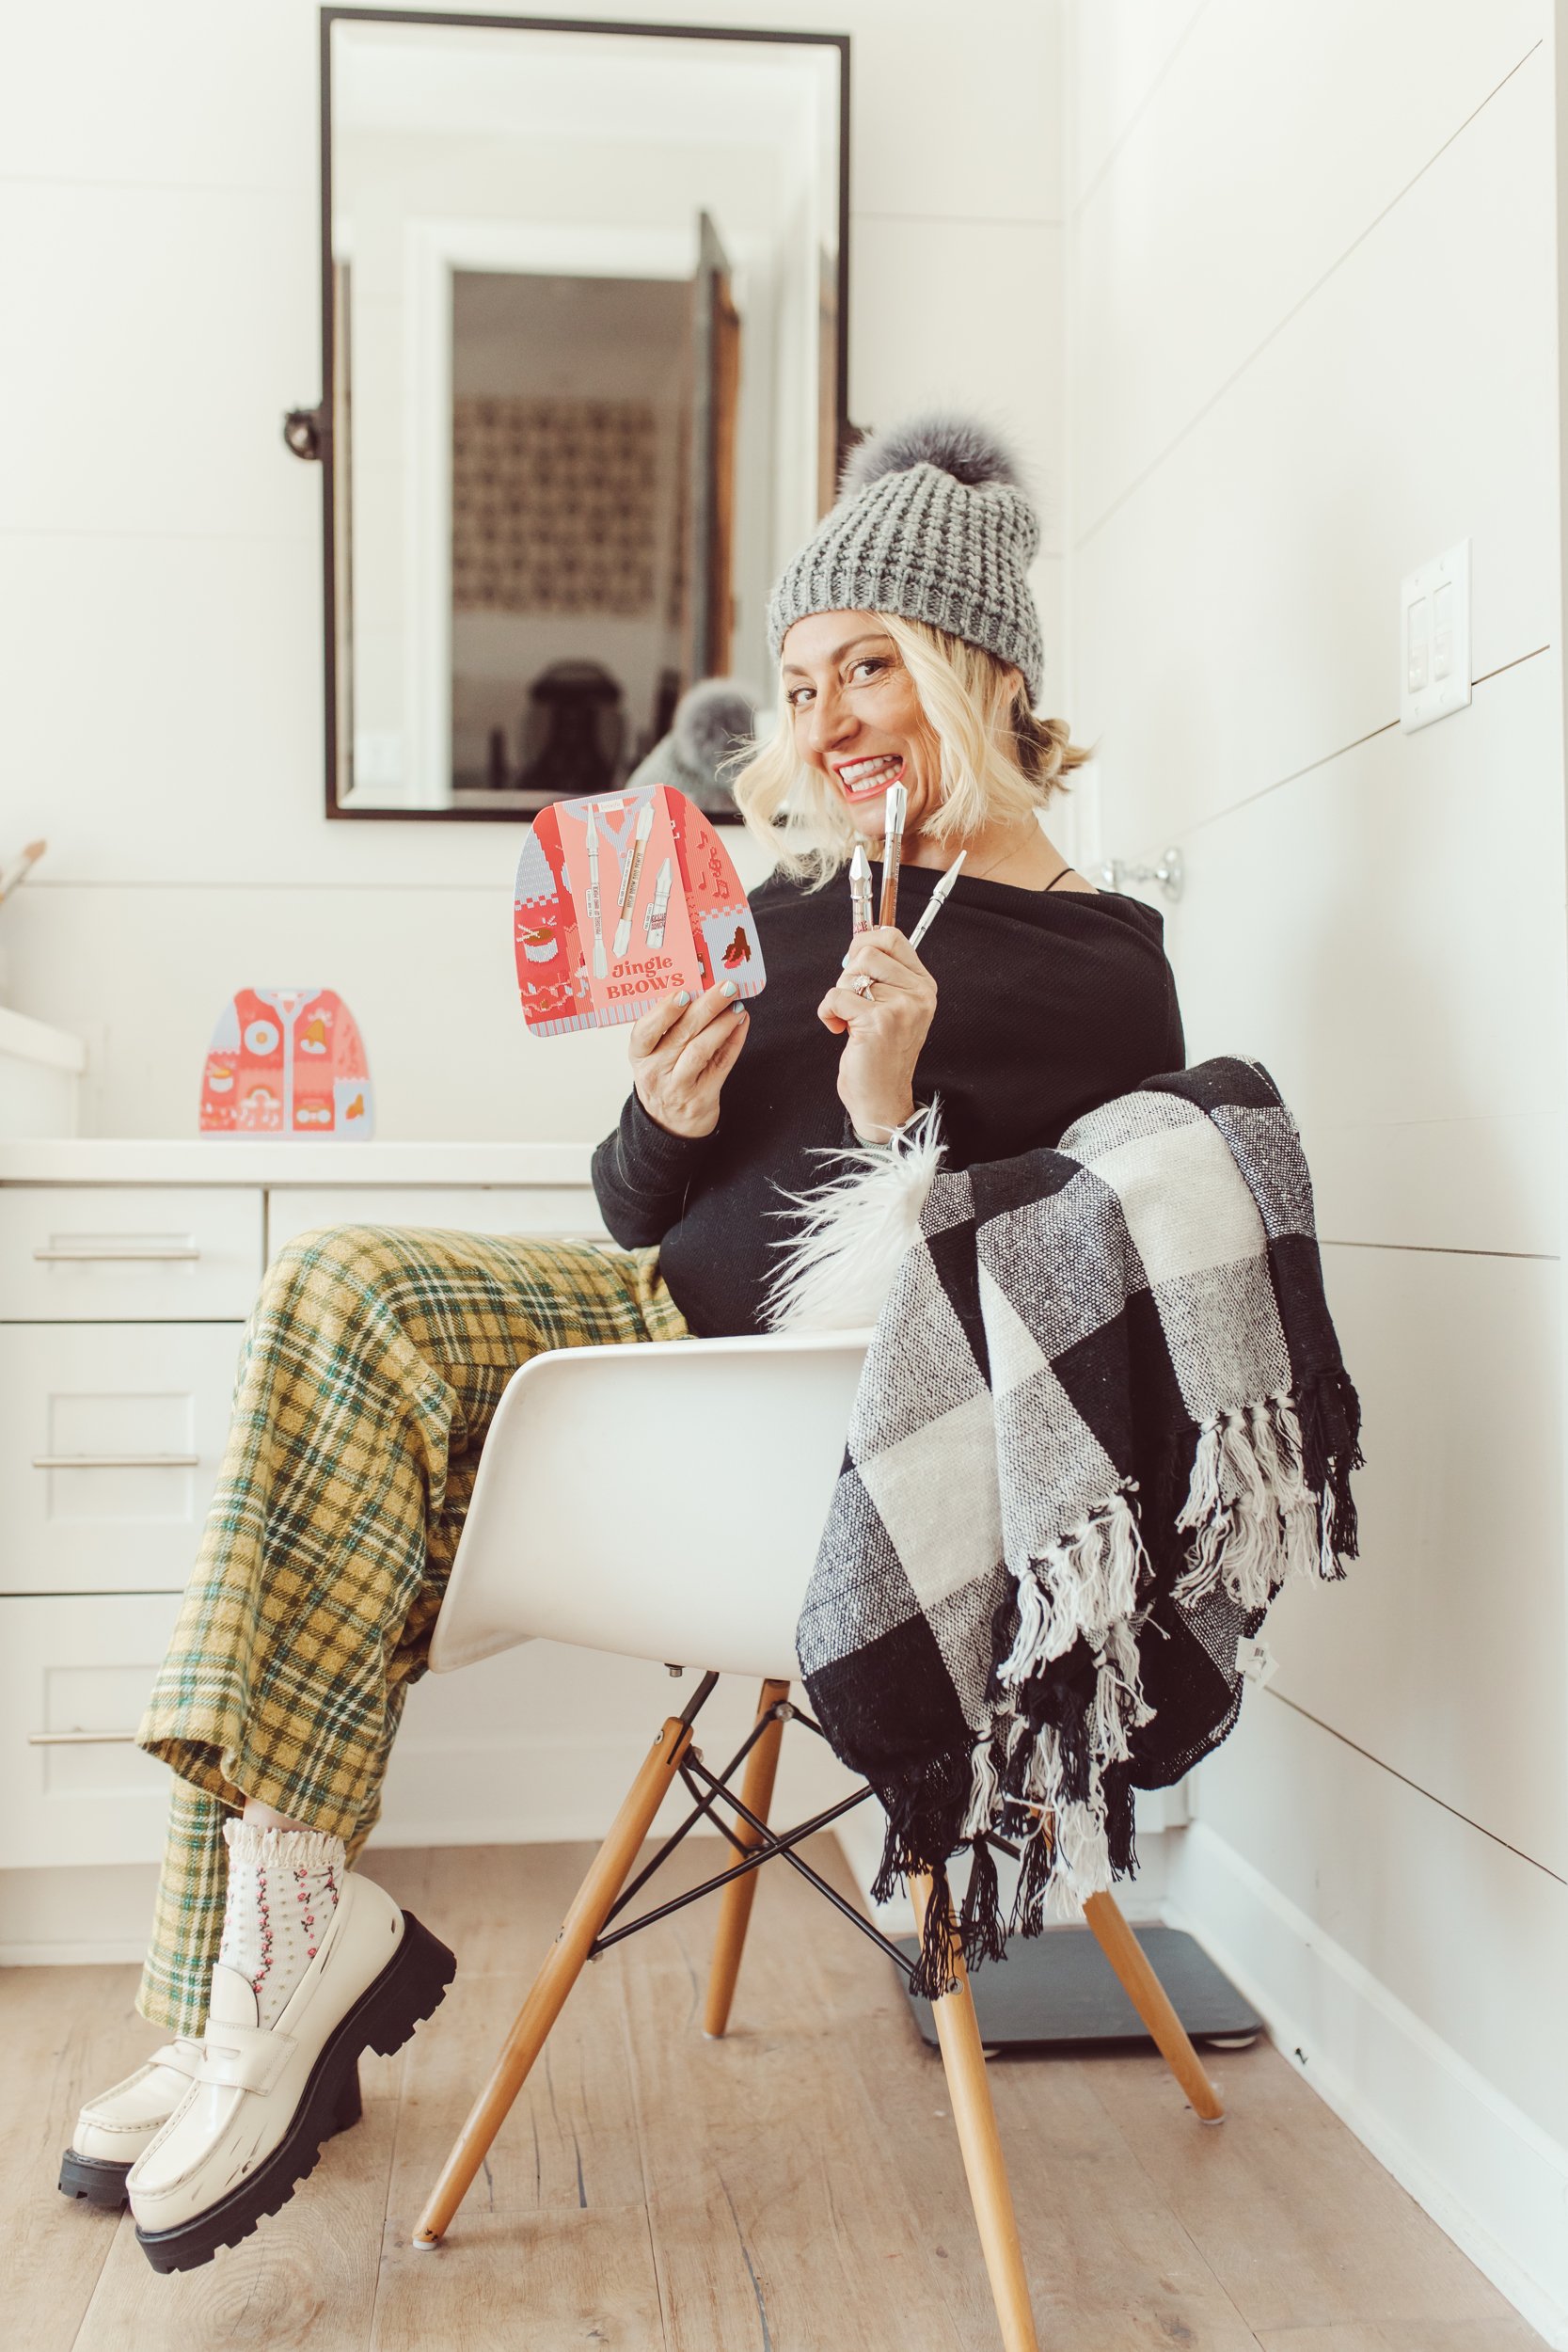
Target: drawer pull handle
[(155, 1254), (116, 1461), (81, 1738)]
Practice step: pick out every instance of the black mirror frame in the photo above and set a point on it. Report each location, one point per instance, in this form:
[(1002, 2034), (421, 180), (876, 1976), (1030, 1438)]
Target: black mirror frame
[(308, 432)]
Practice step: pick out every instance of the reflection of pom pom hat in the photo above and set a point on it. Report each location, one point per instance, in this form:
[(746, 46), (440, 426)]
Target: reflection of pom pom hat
[(932, 524), (711, 723)]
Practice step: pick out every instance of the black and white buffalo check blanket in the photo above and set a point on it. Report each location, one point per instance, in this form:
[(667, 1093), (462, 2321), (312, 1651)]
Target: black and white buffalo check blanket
[(1103, 1417)]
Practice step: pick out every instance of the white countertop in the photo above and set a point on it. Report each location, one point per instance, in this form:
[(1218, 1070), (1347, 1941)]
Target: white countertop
[(283, 1160)]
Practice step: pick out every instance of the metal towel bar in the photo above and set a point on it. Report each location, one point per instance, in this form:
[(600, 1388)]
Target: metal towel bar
[(81, 1738), (152, 1254), (116, 1461)]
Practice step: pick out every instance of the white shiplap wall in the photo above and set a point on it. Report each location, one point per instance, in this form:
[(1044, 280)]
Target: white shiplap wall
[(159, 604), (1310, 258)]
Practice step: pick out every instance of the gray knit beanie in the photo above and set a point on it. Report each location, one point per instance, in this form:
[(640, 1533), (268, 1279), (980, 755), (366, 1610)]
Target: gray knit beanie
[(932, 525)]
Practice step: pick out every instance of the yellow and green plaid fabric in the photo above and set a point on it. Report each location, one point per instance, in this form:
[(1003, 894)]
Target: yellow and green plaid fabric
[(371, 1367)]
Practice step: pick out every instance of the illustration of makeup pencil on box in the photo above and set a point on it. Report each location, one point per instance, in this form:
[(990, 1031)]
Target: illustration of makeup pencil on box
[(619, 899)]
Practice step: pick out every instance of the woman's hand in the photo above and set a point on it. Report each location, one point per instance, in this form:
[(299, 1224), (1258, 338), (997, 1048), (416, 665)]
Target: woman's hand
[(883, 1031), (681, 1055)]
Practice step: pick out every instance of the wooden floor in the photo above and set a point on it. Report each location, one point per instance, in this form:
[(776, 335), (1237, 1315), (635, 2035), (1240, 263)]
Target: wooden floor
[(794, 2189)]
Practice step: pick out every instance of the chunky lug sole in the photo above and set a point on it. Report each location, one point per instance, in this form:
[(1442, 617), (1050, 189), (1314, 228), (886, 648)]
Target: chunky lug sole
[(413, 1984), (103, 2183)]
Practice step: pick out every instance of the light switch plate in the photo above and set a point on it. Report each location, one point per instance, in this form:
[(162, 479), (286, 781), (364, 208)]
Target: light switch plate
[(1435, 639)]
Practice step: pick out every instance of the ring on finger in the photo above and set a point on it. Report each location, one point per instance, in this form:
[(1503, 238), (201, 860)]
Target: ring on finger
[(863, 984)]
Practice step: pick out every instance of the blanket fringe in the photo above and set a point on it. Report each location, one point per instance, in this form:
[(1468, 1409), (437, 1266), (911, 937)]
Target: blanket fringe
[(1268, 1497), (982, 1928), (1082, 1849), (1330, 1416), (933, 1972), (984, 1788), (1078, 1588)]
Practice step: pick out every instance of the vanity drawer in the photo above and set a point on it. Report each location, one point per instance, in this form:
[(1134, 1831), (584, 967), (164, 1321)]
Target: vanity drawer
[(75, 1678), (542, 1209), (111, 1436), (88, 1253)]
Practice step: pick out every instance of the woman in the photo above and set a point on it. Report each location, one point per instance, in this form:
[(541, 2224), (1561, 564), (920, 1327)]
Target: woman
[(910, 651)]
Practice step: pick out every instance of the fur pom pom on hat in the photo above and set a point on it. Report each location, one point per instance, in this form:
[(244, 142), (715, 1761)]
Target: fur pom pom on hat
[(959, 446), (933, 524), (713, 719)]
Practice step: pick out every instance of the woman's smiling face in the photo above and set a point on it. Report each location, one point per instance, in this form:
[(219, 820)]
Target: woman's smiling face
[(857, 718)]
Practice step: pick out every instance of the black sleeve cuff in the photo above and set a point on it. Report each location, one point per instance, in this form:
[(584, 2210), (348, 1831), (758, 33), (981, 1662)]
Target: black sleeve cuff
[(652, 1151), (642, 1174)]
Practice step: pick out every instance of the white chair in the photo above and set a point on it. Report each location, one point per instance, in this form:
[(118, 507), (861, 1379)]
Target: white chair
[(590, 1525)]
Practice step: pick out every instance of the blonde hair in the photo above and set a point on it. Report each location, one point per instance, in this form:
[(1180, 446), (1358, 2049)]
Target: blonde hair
[(998, 759)]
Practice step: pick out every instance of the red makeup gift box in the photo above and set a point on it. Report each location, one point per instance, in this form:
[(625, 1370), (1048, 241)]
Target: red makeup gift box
[(285, 1061), (621, 898)]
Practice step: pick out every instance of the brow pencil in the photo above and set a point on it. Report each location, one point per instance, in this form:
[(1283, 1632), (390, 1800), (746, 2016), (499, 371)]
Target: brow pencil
[(933, 904), (633, 874), (893, 848), (859, 889), (596, 906), (653, 920)]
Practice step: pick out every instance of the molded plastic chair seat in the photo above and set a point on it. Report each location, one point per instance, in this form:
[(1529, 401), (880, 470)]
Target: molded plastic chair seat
[(662, 1501)]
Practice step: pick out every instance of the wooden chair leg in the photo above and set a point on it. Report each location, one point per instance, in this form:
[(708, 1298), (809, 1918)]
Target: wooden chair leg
[(735, 1904), (959, 2033), (590, 1909), (1149, 1996)]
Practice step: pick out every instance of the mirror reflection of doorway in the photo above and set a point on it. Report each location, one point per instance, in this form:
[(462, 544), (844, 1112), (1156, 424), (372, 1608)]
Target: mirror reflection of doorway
[(569, 526)]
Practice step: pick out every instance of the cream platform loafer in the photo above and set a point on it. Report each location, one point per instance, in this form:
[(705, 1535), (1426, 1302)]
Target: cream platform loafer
[(113, 2129), (264, 2098)]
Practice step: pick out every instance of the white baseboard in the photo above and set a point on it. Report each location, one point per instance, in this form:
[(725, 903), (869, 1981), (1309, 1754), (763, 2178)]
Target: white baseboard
[(79, 1914), (1486, 2173), (546, 1792)]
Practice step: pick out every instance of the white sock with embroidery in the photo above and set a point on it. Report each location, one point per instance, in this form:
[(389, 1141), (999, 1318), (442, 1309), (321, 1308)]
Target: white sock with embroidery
[(283, 1886)]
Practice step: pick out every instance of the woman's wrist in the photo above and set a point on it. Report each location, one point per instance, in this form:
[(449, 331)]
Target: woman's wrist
[(661, 1136), (879, 1124)]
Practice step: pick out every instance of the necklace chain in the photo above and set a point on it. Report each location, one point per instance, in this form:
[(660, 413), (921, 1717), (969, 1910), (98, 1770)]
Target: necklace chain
[(983, 871)]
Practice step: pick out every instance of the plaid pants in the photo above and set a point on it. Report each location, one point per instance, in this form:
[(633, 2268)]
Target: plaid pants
[(372, 1365)]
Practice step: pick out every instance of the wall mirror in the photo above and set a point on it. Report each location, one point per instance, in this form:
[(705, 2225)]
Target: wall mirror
[(584, 334)]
